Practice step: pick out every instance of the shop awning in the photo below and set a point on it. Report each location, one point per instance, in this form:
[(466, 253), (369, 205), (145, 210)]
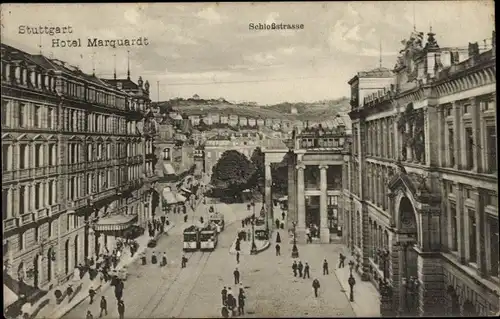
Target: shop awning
[(180, 198), (168, 169), (9, 297), (169, 197), (185, 190), (115, 222)]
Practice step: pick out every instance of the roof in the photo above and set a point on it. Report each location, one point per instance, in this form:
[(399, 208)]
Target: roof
[(379, 72), (191, 228), (127, 84)]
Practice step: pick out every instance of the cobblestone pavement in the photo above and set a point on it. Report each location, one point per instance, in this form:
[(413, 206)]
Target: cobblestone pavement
[(158, 292)]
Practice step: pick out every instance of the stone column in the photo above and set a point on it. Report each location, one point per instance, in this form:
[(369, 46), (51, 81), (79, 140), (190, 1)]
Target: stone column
[(324, 231), (292, 192), (460, 221), (458, 135), (301, 209), (480, 232), (409, 150), (476, 136), (268, 195)]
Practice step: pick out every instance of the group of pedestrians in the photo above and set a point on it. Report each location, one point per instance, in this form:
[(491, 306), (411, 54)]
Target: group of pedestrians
[(103, 305), (229, 303), (157, 226)]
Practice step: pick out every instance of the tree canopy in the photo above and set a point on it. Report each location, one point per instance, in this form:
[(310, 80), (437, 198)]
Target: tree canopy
[(258, 176), (232, 172)]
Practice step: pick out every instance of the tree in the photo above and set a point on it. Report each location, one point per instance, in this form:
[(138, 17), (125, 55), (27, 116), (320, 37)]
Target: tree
[(202, 126), (258, 162), (232, 173)]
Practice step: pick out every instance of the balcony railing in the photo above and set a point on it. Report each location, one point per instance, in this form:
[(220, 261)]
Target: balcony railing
[(26, 219), (54, 209), (10, 223), (41, 213)]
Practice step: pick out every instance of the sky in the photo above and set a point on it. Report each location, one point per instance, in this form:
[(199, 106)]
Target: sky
[(208, 49)]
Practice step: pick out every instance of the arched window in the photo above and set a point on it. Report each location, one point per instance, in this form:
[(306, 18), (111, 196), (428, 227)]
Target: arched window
[(166, 154)]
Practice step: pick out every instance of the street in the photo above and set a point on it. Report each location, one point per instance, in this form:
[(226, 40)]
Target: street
[(159, 292)]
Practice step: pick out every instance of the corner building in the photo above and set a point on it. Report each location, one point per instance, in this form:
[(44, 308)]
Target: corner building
[(72, 163), (423, 180)]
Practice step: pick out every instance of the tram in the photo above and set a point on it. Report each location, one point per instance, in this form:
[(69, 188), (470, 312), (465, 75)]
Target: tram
[(208, 237), (217, 219), (191, 238)]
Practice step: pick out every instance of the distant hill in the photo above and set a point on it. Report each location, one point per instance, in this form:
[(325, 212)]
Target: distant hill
[(315, 111)]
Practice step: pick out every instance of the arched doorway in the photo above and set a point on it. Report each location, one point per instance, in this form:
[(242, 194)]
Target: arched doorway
[(409, 236), (36, 271), (76, 252), (67, 257)]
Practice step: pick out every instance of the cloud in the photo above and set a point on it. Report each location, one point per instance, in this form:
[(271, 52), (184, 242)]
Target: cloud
[(210, 15)]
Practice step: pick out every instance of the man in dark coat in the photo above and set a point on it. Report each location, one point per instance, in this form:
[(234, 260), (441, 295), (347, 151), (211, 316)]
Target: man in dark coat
[(325, 267), (164, 259), (299, 268), (277, 223), (237, 257), (278, 238), (315, 285), (278, 248), (154, 260), (183, 261), (294, 268), (121, 309), (241, 304), (306, 271), (283, 215), (103, 306), (341, 261), (143, 258), (224, 296), (225, 312), (236, 274), (185, 218)]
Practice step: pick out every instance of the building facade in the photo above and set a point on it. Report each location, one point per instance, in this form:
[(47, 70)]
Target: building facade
[(423, 217), (71, 157)]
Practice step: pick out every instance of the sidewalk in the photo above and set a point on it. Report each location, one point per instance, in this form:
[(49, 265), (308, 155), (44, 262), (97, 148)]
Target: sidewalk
[(63, 308), (366, 297)]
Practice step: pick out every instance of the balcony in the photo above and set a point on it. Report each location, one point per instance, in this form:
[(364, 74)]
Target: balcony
[(54, 209), (51, 170), (23, 173), (26, 219), (39, 171), (7, 176), (41, 213), (10, 223)]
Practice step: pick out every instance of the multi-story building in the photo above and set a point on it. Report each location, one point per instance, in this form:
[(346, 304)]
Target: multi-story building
[(71, 158), (194, 119), (317, 169), (233, 120), (252, 122), (423, 181), (243, 121), (261, 122), (224, 119)]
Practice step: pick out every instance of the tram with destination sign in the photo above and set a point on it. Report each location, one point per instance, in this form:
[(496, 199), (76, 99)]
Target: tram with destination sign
[(218, 220), (208, 237), (191, 238)]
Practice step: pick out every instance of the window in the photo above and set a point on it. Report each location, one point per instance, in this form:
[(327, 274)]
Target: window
[(22, 199), (38, 198), (451, 147), (5, 112), (36, 235), (454, 228), (38, 155), (166, 154), (491, 142), (493, 224), (51, 192), (466, 108), (5, 204), (37, 119), (6, 158), (469, 147), (21, 241), (20, 115), (449, 110), (50, 114), (472, 236)]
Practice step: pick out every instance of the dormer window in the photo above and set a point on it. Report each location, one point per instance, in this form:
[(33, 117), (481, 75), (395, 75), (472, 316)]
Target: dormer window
[(119, 85)]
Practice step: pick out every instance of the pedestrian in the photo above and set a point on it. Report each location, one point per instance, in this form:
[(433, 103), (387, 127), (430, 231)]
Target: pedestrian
[(294, 268), (315, 285), (278, 250), (309, 237), (164, 259), (183, 261), (241, 304), (89, 315), (341, 260), (121, 309), (229, 299), (236, 274), (143, 258), (283, 215), (242, 291), (237, 257), (91, 293), (237, 246), (306, 271), (300, 267), (249, 233), (277, 223), (242, 223), (278, 237), (224, 296), (325, 267), (104, 306), (154, 260), (185, 218)]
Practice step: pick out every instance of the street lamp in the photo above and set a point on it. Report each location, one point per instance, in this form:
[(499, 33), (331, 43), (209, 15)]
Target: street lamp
[(295, 250), (351, 281), (253, 251)]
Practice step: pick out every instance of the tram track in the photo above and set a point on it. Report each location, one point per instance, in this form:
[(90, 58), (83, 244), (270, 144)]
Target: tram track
[(188, 255), (178, 304)]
